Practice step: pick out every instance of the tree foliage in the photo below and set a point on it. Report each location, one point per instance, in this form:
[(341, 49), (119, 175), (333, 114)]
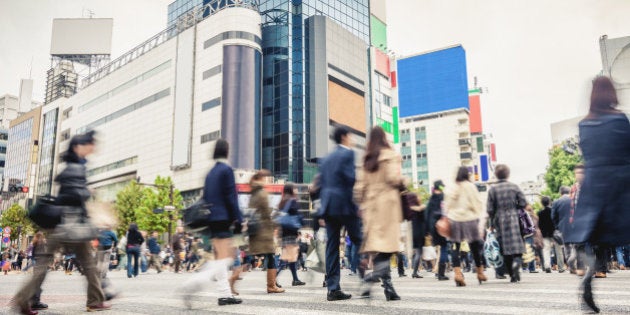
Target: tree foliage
[(158, 198), (560, 170), (16, 216), (423, 194), (128, 201), (136, 203)]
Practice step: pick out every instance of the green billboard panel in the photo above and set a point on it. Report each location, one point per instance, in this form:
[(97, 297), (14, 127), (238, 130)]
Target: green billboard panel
[(378, 34)]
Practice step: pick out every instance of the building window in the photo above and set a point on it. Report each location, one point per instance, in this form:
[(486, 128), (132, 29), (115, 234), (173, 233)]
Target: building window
[(112, 166), (232, 35), (65, 135), (212, 72), (211, 136), (211, 104), (67, 113)]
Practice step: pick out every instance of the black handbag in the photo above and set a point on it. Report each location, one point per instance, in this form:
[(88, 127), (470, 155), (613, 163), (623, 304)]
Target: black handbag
[(74, 227), (45, 213), (197, 216)]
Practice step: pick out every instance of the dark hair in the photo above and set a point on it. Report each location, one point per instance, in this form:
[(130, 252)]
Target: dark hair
[(578, 167), (376, 142), (565, 190), (502, 171), (70, 156), (287, 194), (603, 98), (133, 227), (546, 201), (340, 132), (463, 174), (259, 176), (221, 149)]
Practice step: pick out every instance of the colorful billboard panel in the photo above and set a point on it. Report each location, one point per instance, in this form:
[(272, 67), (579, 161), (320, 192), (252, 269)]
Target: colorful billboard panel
[(475, 114)]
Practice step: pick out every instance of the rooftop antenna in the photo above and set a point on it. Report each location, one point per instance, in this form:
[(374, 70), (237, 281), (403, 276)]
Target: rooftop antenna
[(90, 13)]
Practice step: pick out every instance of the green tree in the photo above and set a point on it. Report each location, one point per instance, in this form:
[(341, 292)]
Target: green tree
[(159, 197), (422, 192), (128, 201), (16, 216), (560, 170)]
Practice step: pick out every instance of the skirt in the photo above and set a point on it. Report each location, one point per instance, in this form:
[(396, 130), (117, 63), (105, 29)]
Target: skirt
[(465, 231)]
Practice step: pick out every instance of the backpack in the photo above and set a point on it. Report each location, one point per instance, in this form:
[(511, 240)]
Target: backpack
[(492, 251), (526, 223)]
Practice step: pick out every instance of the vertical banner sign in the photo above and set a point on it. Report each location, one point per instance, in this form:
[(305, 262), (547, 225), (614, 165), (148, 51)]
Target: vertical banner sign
[(483, 163)]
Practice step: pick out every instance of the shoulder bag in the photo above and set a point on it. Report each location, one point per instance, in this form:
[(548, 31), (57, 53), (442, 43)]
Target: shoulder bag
[(45, 213), (197, 216)]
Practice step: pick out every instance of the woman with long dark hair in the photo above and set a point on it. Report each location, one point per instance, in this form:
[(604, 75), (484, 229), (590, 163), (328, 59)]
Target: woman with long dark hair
[(72, 196), (600, 214), (134, 241), (262, 243), (290, 247), (378, 193), (464, 209)]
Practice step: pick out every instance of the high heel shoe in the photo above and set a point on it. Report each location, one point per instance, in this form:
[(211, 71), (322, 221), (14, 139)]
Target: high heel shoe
[(390, 293), (459, 277), (480, 275)]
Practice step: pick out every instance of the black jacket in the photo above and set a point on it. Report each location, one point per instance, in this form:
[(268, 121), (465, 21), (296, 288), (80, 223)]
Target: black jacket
[(134, 238), (545, 223), (434, 213), (73, 190)]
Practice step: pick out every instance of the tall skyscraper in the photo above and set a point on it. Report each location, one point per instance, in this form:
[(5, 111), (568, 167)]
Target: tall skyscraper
[(289, 144)]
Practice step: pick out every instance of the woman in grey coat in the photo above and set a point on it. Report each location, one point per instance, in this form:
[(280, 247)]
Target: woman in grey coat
[(504, 200)]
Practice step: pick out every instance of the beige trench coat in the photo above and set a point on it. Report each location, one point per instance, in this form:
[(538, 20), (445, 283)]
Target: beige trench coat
[(379, 198)]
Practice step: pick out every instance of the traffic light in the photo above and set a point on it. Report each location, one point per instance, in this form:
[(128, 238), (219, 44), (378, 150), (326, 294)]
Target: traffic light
[(25, 189)]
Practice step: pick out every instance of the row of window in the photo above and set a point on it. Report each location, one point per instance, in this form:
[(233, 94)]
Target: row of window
[(119, 113), (211, 136), (211, 72), (418, 129), (232, 35), (123, 87), (112, 166)]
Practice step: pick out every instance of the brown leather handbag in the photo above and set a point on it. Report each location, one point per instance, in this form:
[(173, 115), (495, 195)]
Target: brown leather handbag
[(443, 227)]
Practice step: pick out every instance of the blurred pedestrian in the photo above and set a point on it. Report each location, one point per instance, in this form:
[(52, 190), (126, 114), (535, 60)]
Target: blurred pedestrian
[(434, 214), (601, 216), (134, 241), (73, 193), (378, 193), (547, 227), (225, 218), (107, 242), (155, 259), (504, 201), (179, 248), (560, 212), (290, 248), (463, 207), (337, 210)]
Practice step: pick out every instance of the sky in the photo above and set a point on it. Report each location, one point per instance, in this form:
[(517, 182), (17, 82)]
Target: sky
[(536, 58)]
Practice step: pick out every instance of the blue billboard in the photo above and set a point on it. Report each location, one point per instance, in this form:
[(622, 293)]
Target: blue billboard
[(433, 82)]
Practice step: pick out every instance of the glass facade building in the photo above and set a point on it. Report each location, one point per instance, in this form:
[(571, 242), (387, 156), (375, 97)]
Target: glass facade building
[(179, 7), (21, 136), (47, 160), (285, 125), (4, 136)]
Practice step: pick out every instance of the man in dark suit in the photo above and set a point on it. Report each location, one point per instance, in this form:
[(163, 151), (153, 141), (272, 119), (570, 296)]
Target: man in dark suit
[(560, 213), (337, 177)]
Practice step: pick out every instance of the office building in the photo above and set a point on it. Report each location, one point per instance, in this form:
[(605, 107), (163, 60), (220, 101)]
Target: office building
[(4, 137), (433, 82), (9, 109), (21, 158), (564, 130), (178, 8), (159, 108)]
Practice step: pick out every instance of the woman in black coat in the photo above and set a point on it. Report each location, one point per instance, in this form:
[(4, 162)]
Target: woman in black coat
[(601, 215), (134, 241), (433, 214)]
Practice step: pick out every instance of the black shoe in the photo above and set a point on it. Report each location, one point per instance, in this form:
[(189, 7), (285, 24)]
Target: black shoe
[(547, 270), (324, 284), (533, 271), (110, 296), (390, 293), (561, 271), (229, 301), (416, 276), (402, 275), (500, 277), (278, 285), (39, 306), (298, 282), (442, 278), (338, 295)]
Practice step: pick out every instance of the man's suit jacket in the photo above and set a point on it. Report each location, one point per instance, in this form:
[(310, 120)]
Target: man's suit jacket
[(337, 177), (560, 212)]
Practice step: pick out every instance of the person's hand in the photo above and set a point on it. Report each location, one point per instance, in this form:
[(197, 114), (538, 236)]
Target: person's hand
[(322, 223)]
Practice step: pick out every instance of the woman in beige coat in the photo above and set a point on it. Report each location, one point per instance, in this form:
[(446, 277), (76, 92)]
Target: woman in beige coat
[(378, 193), (262, 243), (464, 210)]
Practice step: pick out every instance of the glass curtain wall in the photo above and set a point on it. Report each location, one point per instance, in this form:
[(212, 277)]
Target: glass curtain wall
[(285, 73)]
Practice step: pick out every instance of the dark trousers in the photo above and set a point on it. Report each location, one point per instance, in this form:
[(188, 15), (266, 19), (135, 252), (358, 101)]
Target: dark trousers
[(333, 231), (133, 252), (475, 247), (400, 262)]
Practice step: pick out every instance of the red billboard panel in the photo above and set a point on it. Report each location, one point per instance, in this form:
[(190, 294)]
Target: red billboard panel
[(475, 114), (493, 152), (382, 62), (392, 79)]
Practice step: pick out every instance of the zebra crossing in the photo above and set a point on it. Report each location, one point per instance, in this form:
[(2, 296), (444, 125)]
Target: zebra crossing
[(156, 294)]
